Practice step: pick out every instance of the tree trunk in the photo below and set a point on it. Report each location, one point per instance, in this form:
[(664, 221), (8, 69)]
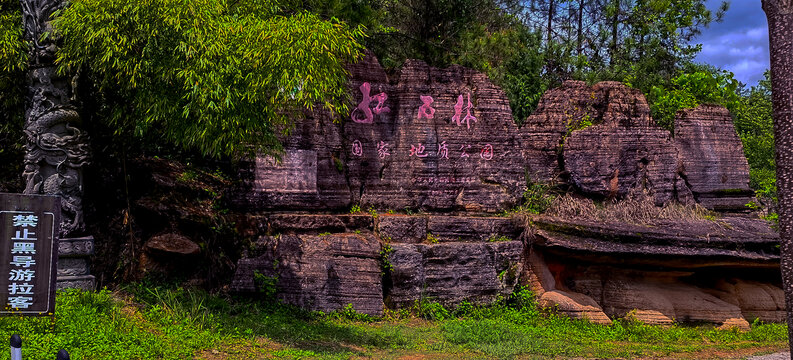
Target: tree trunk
[(780, 34), (56, 149), (579, 38), (614, 28), (551, 11)]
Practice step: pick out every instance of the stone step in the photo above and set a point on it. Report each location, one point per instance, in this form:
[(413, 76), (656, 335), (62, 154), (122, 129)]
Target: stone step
[(76, 247), (83, 282), (432, 228), (73, 267)]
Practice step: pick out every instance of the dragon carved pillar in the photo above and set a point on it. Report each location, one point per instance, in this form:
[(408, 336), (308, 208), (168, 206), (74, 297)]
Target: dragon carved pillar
[(56, 149)]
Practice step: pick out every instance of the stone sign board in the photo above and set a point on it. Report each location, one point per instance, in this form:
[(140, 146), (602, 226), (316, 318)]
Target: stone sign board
[(28, 253), (295, 172)]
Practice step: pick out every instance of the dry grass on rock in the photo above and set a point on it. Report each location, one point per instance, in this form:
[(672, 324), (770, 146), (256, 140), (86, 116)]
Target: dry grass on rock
[(634, 209)]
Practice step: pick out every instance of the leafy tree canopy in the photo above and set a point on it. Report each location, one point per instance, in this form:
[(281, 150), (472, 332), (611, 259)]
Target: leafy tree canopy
[(755, 124), (13, 60), (702, 85), (224, 77)]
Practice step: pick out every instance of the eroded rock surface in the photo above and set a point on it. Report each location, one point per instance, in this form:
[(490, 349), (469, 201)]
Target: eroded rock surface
[(623, 149), (731, 241), (712, 158), (450, 273), (318, 272), (444, 140), (442, 143), (543, 131), (659, 274), (324, 262), (432, 139)]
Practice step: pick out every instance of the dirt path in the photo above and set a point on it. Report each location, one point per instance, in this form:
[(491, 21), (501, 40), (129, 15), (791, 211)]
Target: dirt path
[(784, 355)]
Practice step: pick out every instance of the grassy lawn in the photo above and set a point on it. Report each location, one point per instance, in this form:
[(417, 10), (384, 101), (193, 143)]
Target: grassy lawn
[(158, 323)]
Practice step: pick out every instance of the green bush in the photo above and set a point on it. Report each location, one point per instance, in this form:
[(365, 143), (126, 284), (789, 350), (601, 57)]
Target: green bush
[(538, 197), (688, 90), (755, 124)]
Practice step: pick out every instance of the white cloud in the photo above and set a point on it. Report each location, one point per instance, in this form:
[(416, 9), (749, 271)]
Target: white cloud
[(758, 33), (742, 51), (739, 43)]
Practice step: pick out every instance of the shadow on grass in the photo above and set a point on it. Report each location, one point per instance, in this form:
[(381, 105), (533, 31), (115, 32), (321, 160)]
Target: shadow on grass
[(285, 324), (495, 331)]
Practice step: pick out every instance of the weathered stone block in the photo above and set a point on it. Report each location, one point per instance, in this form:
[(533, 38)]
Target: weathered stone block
[(319, 272), (82, 282), (712, 158), (610, 160), (462, 228), (72, 267), (402, 228), (283, 223), (76, 247), (450, 273)]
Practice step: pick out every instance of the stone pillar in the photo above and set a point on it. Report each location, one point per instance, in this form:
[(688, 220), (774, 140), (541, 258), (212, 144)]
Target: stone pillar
[(73, 263), (57, 148)]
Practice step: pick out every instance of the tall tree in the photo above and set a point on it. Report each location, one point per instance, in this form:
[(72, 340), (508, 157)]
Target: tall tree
[(13, 62), (436, 31), (224, 77), (780, 34), (220, 76)]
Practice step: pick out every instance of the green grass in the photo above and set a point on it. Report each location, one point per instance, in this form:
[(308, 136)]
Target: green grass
[(163, 323), (95, 325)]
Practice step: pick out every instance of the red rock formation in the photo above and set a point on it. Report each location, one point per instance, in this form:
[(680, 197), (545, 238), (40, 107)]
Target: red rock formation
[(447, 143), (450, 273), (432, 139), (318, 272), (324, 262), (669, 272), (543, 131), (443, 141), (712, 158)]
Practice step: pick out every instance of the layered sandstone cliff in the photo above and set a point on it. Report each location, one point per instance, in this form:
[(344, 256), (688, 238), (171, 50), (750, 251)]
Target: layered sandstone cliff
[(442, 142)]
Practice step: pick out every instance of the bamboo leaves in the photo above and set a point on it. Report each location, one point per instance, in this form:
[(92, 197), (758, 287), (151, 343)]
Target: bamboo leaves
[(213, 75)]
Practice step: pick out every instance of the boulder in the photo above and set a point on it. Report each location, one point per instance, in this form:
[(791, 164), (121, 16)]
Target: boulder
[(757, 300), (450, 273), (713, 162), (543, 132), (656, 301), (171, 244), (574, 305), (317, 272), (669, 271), (622, 150)]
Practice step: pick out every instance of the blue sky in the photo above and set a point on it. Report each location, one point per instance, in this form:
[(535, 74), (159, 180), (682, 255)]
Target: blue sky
[(739, 43)]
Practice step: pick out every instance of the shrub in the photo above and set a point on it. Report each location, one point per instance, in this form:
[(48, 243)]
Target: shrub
[(688, 90)]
